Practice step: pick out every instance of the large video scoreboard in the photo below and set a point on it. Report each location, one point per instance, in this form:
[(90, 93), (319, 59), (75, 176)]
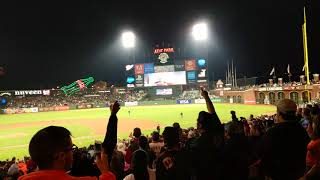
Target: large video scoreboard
[(166, 70)]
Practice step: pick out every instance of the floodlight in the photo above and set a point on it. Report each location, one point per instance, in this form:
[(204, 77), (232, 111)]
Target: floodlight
[(200, 31), (128, 39)]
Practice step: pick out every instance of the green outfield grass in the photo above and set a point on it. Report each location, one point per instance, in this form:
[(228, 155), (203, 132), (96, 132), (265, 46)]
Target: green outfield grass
[(14, 141)]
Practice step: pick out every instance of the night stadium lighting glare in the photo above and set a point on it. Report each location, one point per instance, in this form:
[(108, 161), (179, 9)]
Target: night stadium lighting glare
[(128, 39), (200, 31)]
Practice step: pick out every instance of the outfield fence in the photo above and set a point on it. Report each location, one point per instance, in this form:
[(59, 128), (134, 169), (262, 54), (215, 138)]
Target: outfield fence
[(96, 105)]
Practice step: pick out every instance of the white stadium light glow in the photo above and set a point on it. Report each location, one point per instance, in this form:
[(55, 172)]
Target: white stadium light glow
[(128, 39), (200, 31)]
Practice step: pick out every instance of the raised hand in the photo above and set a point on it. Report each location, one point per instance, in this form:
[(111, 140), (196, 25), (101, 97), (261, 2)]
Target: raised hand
[(114, 108), (102, 161), (204, 93)]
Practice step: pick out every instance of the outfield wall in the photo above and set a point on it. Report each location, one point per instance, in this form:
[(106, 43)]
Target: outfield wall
[(88, 106)]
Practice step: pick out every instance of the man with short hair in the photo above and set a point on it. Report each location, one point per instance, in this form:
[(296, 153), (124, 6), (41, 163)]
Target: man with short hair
[(51, 149), (284, 146)]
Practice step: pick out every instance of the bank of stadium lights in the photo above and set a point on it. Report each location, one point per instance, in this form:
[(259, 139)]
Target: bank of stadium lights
[(200, 31), (128, 39)]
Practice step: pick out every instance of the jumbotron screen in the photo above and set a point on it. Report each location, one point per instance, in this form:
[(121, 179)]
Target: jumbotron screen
[(179, 72), (165, 79)]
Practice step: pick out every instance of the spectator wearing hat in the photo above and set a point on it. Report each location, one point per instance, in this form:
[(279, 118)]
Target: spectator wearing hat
[(284, 146)]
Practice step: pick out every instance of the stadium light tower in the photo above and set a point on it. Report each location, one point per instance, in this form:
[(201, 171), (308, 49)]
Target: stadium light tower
[(128, 39), (200, 31)]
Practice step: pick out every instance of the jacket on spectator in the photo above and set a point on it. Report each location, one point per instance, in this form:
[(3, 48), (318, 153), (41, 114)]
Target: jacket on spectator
[(236, 159), (283, 150), (173, 164), (62, 175)]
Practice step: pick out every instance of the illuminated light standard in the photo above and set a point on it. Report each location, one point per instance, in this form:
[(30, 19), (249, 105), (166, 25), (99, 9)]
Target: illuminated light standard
[(200, 33)]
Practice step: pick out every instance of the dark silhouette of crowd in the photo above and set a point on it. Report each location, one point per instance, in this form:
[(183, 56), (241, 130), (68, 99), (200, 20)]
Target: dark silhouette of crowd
[(283, 146)]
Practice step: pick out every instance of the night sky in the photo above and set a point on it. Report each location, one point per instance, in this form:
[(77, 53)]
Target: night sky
[(44, 44)]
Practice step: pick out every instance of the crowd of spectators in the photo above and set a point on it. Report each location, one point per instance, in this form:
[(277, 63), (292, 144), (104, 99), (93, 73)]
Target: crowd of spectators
[(86, 97), (283, 146)]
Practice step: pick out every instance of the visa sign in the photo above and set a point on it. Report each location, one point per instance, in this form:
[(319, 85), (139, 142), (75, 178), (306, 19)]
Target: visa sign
[(184, 101)]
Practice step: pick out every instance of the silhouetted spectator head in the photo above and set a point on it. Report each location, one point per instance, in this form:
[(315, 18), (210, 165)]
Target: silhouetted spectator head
[(137, 132), (155, 136), (235, 129), (306, 113), (286, 110), (233, 116), (207, 122), (176, 125), (143, 142), (314, 111), (309, 106), (170, 136), (178, 128), (139, 165), (51, 148)]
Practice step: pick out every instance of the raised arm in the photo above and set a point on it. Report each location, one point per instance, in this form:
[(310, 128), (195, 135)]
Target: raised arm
[(110, 139), (209, 104)]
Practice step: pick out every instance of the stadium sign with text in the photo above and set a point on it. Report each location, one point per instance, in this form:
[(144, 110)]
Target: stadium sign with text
[(184, 101), (163, 50), (32, 92)]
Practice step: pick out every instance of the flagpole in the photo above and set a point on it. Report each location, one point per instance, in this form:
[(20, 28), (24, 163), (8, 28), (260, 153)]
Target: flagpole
[(289, 73), (305, 48), (274, 76)]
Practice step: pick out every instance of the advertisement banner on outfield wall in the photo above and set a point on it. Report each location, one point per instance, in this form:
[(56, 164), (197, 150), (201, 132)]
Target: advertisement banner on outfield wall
[(216, 100), (199, 101), (19, 110), (133, 103), (54, 108), (61, 108), (184, 101), (30, 110), (84, 106)]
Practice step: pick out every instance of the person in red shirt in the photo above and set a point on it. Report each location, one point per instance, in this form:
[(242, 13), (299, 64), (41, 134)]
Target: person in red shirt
[(51, 149), (313, 153)]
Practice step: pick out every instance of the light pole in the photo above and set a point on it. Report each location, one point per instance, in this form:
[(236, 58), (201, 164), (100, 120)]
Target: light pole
[(128, 39), (200, 33)]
